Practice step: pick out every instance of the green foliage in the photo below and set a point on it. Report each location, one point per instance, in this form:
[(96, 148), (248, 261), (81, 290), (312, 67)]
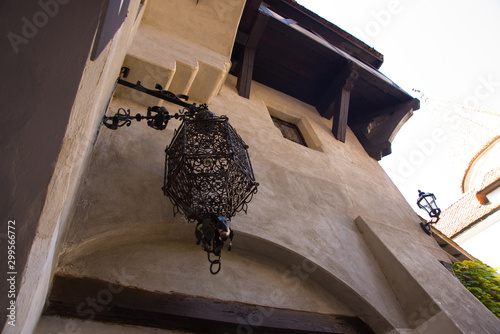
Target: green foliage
[(482, 281)]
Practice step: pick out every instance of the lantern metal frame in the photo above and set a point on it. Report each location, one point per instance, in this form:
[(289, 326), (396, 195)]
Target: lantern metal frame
[(427, 202), (208, 174)]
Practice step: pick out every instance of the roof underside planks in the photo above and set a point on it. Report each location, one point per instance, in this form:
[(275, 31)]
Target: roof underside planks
[(288, 56)]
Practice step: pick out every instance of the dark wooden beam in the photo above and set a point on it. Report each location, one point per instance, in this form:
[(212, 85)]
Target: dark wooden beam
[(384, 84), (344, 80), (328, 31), (249, 14), (241, 37), (257, 30), (403, 107), (399, 114), (94, 299), (377, 134), (244, 82), (335, 100), (374, 151), (248, 55), (340, 114)]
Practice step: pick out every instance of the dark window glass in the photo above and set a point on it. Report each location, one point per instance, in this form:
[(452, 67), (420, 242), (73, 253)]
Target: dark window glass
[(289, 131)]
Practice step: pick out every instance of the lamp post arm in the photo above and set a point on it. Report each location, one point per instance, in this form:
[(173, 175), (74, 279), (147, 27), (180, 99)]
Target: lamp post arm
[(159, 93), (157, 117)]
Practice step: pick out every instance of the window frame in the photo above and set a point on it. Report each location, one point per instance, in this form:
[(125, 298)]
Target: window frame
[(278, 122)]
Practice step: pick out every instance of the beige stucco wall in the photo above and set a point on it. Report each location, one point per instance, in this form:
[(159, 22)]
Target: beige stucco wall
[(207, 23), (382, 267), (95, 89), (327, 223)]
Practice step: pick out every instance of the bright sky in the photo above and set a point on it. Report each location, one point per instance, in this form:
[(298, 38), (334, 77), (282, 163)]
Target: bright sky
[(449, 50)]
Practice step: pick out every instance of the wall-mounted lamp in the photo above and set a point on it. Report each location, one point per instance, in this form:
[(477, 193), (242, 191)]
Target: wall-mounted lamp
[(427, 201), (208, 174)]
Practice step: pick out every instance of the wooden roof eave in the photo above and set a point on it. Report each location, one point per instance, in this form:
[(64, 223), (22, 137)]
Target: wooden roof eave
[(333, 34), (375, 126)]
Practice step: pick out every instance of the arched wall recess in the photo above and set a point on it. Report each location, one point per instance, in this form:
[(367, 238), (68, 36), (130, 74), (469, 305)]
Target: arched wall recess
[(162, 259)]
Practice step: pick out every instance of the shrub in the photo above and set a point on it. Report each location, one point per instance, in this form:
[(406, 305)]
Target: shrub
[(482, 281)]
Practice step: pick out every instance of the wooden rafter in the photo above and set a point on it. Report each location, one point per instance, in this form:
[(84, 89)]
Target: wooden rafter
[(377, 134), (249, 14), (94, 299), (398, 115), (292, 61), (244, 82), (335, 101), (247, 58), (315, 23)]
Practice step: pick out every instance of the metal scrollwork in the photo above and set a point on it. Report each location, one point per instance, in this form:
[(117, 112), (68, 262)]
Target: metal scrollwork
[(121, 118), (208, 175)]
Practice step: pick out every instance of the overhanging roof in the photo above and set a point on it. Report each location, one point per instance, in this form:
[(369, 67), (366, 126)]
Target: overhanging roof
[(324, 67)]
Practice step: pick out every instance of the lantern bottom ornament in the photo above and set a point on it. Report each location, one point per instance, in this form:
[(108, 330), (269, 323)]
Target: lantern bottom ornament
[(212, 232)]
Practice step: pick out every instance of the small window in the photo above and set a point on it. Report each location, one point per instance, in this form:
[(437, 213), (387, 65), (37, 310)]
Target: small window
[(289, 131)]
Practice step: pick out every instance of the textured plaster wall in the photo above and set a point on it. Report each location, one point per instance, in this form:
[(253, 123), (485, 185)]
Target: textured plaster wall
[(210, 24), (300, 246), (41, 70), (162, 51), (123, 228), (55, 96)]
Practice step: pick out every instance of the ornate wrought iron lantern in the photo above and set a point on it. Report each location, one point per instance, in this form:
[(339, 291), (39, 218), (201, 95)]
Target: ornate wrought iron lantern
[(427, 201), (208, 177), (208, 174)]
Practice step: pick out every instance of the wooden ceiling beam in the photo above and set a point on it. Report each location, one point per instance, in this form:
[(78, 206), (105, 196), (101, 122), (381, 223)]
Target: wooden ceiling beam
[(98, 300), (328, 33), (249, 14), (413, 104), (335, 100), (247, 58), (376, 136), (384, 84), (399, 114), (245, 74), (374, 151), (257, 30)]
